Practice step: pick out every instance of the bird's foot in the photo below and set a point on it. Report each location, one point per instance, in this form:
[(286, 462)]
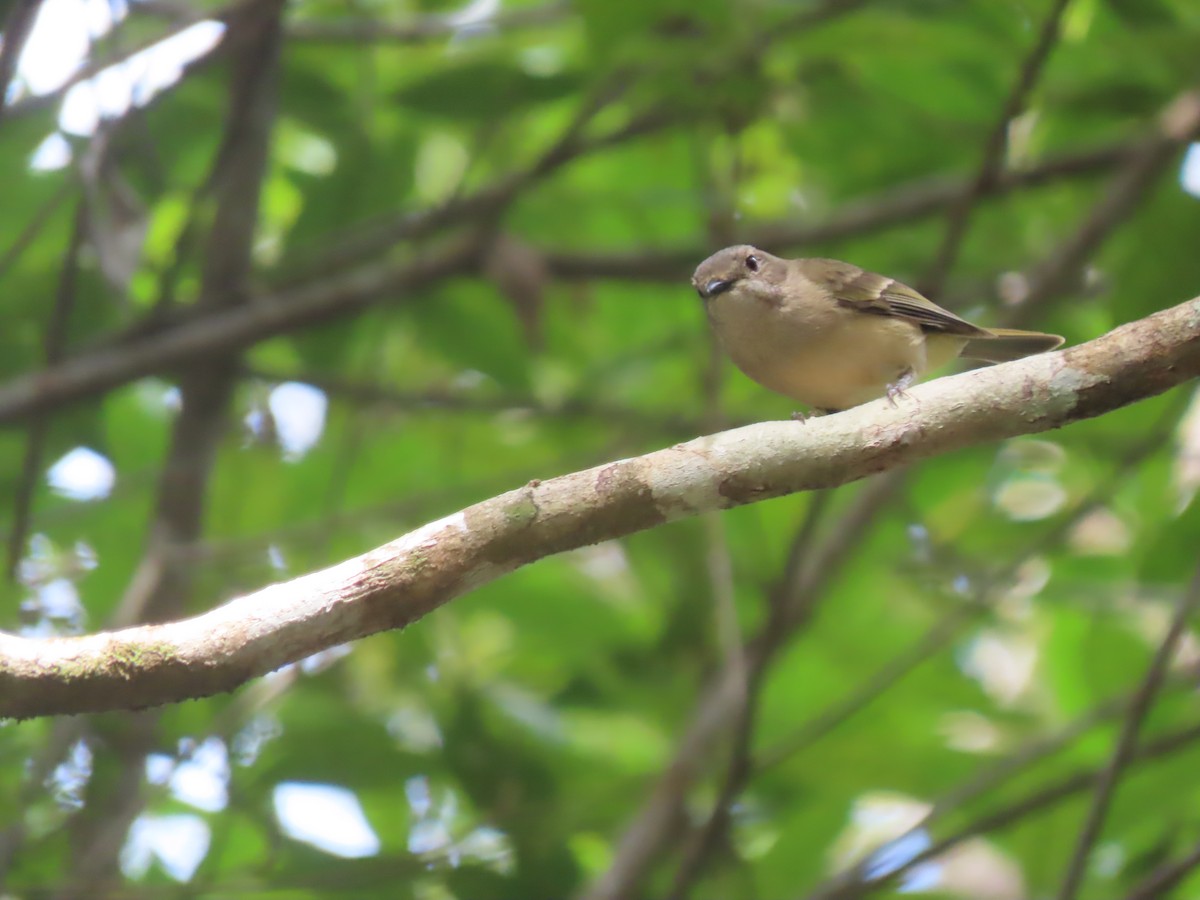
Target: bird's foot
[(804, 417), (900, 385)]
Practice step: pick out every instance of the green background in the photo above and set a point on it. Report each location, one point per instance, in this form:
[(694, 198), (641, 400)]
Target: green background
[(991, 601)]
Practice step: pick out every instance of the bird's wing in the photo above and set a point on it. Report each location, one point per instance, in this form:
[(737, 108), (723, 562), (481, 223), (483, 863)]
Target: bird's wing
[(882, 296)]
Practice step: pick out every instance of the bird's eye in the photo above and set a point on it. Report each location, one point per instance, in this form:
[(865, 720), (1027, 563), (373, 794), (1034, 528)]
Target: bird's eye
[(752, 262)]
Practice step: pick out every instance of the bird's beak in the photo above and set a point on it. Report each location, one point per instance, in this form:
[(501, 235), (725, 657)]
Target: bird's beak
[(715, 286)]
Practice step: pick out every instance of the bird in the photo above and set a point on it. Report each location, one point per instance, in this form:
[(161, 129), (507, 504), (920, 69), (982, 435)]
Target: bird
[(831, 335)]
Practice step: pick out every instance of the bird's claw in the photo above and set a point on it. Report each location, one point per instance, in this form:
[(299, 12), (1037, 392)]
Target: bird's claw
[(898, 387), (816, 413)]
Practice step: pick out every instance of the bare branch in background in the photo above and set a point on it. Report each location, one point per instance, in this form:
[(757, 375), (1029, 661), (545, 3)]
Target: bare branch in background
[(49, 100), (819, 12), (950, 626), (797, 589), (889, 209), (235, 181), (160, 587), (937, 637), (90, 372), (483, 206), (425, 28), (37, 222), (53, 345), (432, 400), (992, 160), (1166, 878), (808, 568), (93, 372), (1139, 706), (1036, 801), (17, 27), (1178, 124)]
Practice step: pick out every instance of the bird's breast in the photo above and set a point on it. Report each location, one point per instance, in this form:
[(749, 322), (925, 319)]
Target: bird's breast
[(821, 354)]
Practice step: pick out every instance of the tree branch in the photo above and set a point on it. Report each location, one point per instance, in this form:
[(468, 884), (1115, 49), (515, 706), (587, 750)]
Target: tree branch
[(18, 25), (101, 368), (848, 887), (52, 349), (161, 584), (423, 28), (791, 601), (809, 567), (1167, 877), (398, 583), (1139, 707), (993, 150), (1178, 124), (949, 627), (228, 15), (890, 208)]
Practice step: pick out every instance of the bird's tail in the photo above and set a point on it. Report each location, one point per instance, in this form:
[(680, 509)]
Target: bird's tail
[(1005, 344)]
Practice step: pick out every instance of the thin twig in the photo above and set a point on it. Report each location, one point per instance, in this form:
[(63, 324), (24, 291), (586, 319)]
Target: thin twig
[(704, 842), (116, 361), (1143, 699), (35, 225), (1166, 877), (228, 15), (18, 25), (850, 886), (53, 345), (818, 14), (438, 399), (37, 768), (702, 847), (807, 574), (719, 562), (947, 628), (894, 207), (489, 202), (932, 641), (483, 205), (161, 585), (884, 678), (424, 28), (997, 774), (1178, 124), (993, 149)]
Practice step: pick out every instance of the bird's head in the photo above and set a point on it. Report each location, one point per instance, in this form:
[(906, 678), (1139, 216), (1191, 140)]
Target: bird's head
[(741, 265)]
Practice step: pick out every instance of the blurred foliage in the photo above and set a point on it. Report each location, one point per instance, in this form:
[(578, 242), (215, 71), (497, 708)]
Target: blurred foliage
[(499, 748)]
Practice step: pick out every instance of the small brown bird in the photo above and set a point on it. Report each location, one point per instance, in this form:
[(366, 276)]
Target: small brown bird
[(831, 335)]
